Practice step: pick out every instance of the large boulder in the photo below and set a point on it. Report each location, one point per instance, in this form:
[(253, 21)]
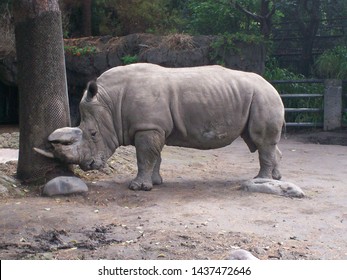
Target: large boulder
[(271, 186)]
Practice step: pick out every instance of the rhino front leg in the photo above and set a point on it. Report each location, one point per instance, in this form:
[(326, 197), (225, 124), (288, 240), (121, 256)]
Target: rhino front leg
[(148, 146)]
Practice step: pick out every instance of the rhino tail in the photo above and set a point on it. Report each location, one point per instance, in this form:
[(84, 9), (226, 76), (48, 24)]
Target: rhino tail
[(284, 129)]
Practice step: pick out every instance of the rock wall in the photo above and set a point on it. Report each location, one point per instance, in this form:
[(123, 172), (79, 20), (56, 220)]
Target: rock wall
[(169, 51), (86, 58)]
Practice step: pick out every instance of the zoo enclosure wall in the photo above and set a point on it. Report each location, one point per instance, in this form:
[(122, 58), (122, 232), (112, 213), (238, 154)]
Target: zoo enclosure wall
[(324, 107)]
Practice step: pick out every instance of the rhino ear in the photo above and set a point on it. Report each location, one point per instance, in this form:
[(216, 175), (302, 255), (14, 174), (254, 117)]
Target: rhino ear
[(92, 90)]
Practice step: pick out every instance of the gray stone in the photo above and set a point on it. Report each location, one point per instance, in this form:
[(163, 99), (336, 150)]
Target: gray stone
[(332, 104), (273, 187), (241, 254), (64, 185)]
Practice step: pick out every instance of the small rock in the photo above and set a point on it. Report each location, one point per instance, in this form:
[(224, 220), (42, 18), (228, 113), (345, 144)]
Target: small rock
[(273, 187), (241, 254), (64, 185)]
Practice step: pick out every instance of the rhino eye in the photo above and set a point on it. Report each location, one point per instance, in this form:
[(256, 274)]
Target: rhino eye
[(93, 133)]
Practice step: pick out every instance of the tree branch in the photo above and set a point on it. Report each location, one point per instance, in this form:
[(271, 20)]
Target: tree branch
[(271, 13), (249, 13)]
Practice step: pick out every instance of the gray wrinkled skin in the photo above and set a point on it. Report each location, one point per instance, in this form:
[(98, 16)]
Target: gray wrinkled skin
[(149, 106)]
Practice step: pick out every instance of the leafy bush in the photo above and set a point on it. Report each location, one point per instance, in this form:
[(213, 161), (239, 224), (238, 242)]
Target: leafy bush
[(122, 17), (332, 64), (129, 59), (78, 51), (274, 72), (225, 43), (212, 17)]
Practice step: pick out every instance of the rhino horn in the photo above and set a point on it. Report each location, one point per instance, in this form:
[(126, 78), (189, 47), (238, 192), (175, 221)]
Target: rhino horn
[(66, 135), (43, 152)]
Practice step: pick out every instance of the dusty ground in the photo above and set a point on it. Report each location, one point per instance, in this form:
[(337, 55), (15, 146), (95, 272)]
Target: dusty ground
[(198, 213)]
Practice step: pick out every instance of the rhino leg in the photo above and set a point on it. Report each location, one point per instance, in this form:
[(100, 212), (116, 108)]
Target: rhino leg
[(148, 146), (156, 178), (269, 157), (276, 174)]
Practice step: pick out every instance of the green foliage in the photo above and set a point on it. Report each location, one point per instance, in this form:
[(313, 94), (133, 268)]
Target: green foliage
[(212, 17), (129, 59), (78, 51), (332, 64), (217, 17), (274, 72), (122, 17), (226, 43)]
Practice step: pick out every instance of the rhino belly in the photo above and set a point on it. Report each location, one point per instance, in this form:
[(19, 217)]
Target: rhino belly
[(209, 123), (206, 136), (204, 141)]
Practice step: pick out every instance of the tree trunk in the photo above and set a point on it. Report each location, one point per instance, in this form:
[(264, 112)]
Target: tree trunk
[(306, 60), (266, 18), (87, 17), (43, 100), (308, 19)]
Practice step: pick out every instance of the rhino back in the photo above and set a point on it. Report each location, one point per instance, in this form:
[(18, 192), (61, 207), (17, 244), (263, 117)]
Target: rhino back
[(200, 107)]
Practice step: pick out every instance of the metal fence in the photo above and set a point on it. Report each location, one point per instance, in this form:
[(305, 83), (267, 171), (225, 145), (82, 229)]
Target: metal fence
[(309, 110)]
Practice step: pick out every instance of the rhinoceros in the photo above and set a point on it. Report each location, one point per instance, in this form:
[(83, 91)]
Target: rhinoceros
[(148, 106)]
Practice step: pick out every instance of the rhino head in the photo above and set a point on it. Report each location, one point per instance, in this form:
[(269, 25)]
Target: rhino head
[(92, 143)]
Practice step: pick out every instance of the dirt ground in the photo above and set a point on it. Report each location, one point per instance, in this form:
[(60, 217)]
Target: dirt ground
[(198, 213)]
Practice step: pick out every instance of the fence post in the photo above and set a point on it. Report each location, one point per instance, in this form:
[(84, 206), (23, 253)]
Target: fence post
[(332, 104)]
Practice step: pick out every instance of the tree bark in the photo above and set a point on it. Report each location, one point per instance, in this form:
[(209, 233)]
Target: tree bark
[(308, 20), (87, 17), (43, 99)]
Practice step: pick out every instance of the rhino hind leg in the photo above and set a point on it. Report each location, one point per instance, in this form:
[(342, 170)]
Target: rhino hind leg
[(276, 174), (269, 160), (156, 177), (248, 140), (269, 157), (148, 146)]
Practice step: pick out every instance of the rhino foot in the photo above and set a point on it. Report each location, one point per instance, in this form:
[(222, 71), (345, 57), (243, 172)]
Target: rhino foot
[(276, 174), (157, 179), (140, 186)]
